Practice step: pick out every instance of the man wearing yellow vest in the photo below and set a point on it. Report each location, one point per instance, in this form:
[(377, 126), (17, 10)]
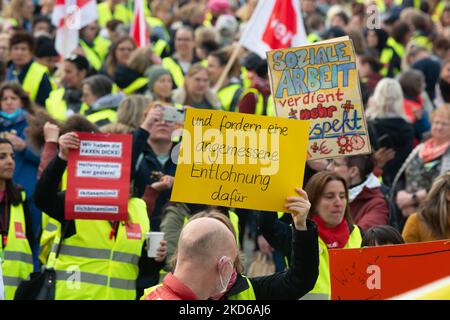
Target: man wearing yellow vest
[(15, 225), (98, 259), (180, 62), (33, 76), (208, 272)]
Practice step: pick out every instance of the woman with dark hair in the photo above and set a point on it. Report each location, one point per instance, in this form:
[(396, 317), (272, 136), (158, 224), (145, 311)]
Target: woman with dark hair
[(17, 235), (66, 100), (328, 195), (382, 235), (118, 55), (15, 108)]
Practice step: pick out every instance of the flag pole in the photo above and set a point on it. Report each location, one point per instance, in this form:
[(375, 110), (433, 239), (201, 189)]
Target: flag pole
[(227, 69)]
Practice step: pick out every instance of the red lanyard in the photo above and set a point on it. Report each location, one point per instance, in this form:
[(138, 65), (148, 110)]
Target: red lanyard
[(112, 234), (5, 224)]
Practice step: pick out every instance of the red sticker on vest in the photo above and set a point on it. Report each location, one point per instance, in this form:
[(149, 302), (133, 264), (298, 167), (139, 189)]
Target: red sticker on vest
[(19, 231), (133, 231)]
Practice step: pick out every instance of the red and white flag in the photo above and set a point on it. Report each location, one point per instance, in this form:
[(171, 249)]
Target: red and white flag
[(139, 31), (275, 24), (69, 16)]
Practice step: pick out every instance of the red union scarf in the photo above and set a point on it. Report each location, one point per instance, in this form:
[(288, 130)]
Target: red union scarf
[(334, 238)]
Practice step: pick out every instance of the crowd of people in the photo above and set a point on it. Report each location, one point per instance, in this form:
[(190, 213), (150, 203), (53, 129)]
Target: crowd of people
[(398, 194)]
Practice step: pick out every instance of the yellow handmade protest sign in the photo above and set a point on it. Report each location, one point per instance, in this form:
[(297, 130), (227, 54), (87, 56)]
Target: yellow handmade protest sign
[(319, 82), (240, 160)]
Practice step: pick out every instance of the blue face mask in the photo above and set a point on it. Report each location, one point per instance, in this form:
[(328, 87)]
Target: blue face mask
[(12, 116)]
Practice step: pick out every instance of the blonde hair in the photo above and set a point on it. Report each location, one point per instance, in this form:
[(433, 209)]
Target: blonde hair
[(434, 210), (441, 110), (13, 10), (116, 127), (140, 59), (132, 109), (387, 101)]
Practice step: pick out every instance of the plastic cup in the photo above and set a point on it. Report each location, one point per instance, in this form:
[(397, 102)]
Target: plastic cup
[(153, 240)]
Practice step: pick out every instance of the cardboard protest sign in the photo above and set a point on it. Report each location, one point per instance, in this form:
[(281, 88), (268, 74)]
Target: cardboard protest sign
[(319, 82), (98, 177), (240, 160), (387, 271)]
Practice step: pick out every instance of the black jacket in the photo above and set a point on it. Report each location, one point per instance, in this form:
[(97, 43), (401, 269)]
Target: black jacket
[(124, 76), (401, 134), (298, 279), (144, 161)]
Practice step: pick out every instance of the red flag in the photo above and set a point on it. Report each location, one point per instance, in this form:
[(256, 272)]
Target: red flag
[(282, 25), (139, 30), (275, 24)]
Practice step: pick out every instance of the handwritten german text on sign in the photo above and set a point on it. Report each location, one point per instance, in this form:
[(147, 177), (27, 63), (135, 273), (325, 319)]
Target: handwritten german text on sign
[(319, 82), (240, 160), (386, 271)]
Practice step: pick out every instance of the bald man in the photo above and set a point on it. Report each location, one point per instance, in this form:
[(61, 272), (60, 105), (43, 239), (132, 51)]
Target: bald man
[(206, 253)]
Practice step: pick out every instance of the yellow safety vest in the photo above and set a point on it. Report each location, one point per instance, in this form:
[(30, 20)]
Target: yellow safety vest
[(382, 7), (246, 82), (313, 37), (156, 22), (92, 56), (17, 258), (438, 11), (51, 229), (120, 13), (259, 110), (57, 107), (135, 85), (91, 266), (101, 47), (247, 294), (159, 47), (398, 47), (422, 41), (270, 110), (175, 71), (322, 289), (33, 79), (106, 114), (229, 96)]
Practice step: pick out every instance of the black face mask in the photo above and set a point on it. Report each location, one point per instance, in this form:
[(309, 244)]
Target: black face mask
[(445, 90)]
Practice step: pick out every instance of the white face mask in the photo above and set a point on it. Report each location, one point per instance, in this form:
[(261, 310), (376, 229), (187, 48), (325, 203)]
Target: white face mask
[(226, 278)]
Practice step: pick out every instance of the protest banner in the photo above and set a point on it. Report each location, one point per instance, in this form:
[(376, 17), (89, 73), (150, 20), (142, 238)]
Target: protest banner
[(98, 177), (240, 160), (374, 273), (319, 82)]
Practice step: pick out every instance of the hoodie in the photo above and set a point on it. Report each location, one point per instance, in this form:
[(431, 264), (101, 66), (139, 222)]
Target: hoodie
[(368, 207), (402, 136)]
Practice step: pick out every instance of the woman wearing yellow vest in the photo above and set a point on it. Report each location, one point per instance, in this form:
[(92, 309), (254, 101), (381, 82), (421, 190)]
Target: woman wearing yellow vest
[(98, 259), (231, 89), (290, 284), (328, 194), (32, 76), (66, 100), (95, 47), (119, 54), (15, 225)]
